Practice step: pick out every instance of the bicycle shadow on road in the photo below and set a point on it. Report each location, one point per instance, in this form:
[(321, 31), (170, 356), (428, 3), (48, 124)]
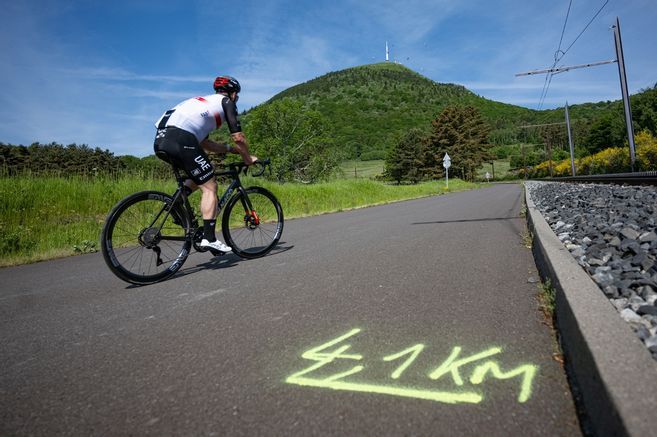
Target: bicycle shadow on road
[(217, 262), (230, 260)]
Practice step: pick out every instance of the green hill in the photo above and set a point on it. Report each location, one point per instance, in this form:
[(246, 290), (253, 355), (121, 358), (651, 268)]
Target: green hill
[(369, 107)]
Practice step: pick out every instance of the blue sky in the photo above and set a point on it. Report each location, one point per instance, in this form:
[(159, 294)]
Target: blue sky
[(100, 73)]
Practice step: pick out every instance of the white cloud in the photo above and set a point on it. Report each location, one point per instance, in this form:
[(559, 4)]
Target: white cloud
[(121, 74)]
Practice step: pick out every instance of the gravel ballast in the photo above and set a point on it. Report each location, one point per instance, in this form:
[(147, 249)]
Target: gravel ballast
[(611, 231)]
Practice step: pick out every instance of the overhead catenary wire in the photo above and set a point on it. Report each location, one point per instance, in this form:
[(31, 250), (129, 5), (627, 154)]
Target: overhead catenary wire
[(548, 77), (563, 30), (585, 27), (559, 54)]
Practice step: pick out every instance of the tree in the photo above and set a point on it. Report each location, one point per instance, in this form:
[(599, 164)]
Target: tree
[(607, 131), (294, 138), (644, 110), (461, 132), (53, 158), (403, 161)]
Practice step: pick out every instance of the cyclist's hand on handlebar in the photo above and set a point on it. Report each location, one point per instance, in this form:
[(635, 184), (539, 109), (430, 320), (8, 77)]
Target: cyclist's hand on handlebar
[(250, 161), (259, 167)]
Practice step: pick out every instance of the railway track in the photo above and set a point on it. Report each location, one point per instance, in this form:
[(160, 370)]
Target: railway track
[(640, 178)]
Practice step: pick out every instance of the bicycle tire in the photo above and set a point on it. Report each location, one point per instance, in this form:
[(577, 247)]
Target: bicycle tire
[(142, 244), (253, 234)]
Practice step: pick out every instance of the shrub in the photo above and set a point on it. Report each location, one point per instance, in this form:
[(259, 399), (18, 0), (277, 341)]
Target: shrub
[(646, 152), (611, 160), (563, 168)]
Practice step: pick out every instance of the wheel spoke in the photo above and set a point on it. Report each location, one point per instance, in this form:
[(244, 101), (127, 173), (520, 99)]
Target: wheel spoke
[(247, 238), (133, 236)]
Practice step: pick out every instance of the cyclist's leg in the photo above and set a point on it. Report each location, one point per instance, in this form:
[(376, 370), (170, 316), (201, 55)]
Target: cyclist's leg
[(209, 199), (197, 165)]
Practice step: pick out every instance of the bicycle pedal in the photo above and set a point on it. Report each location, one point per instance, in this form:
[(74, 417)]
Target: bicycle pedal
[(216, 252)]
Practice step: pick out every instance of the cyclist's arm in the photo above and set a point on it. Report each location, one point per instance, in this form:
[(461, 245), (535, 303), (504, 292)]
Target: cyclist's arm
[(242, 148), (234, 127), (211, 146)]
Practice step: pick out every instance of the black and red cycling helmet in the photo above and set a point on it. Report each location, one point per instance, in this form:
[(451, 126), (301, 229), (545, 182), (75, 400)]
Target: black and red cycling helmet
[(226, 84)]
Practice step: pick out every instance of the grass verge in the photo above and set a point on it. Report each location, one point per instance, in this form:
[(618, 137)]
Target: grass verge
[(48, 217)]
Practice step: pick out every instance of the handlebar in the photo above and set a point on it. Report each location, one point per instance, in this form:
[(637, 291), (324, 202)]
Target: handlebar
[(237, 167), (262, 165)]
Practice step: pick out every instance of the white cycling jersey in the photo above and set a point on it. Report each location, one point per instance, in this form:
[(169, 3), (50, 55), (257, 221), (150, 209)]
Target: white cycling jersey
[(202, 115)]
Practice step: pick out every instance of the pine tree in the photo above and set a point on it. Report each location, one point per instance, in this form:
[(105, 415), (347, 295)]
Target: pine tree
[(461, 132), (403, 161)]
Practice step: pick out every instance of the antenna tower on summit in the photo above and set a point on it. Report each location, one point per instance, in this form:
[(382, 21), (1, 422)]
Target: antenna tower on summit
[(387, 53)]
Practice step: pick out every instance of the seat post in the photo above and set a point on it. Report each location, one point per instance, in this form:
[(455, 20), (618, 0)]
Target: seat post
[(179, 178)]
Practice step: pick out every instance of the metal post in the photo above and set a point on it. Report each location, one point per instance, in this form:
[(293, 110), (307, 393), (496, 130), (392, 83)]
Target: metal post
[(548, 151), (570, 141), (626, 96), (524, 160)]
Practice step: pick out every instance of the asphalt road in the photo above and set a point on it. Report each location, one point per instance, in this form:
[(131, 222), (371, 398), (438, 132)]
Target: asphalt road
[(415, 318)]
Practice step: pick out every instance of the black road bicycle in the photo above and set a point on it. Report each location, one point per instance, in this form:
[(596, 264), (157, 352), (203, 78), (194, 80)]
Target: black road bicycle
[(148, 235)]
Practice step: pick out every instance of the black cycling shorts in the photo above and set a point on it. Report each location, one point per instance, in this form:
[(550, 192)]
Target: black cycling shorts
[(185, 153)]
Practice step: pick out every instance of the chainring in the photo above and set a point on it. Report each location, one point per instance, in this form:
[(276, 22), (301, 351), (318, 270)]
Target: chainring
[(198, 236)]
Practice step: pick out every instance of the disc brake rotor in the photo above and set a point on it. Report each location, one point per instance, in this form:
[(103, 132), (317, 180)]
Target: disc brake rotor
[(252, 220)]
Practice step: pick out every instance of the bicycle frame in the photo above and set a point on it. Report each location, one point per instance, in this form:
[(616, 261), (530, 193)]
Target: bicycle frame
[(154, 217), (179, 194), (236, 184)]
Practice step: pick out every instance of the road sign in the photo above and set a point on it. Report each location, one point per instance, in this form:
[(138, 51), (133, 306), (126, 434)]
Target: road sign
[(447, 161)]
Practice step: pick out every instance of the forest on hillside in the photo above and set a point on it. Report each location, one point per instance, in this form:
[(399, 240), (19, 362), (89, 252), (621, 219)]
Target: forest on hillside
[(370, 108)]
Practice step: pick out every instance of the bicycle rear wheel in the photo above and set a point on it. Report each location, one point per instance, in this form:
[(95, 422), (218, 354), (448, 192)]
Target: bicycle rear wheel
[(142, 242), (252, 225)]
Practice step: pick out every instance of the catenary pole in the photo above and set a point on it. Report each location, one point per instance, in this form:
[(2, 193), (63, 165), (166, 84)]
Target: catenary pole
[(570, 142), (626, 95), (623, 80)]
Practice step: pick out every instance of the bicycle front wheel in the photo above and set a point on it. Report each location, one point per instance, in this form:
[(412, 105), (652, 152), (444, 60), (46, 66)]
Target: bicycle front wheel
[(252, 222), (145, 239)]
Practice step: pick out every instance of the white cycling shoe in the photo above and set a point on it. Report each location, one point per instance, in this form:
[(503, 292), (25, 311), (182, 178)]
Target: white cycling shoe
[(216, 245)]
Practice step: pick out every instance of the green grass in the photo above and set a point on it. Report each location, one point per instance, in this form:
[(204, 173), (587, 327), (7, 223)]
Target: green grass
[(361, 169), (300, 200), (369, 169), (501, 166), (48, 217)]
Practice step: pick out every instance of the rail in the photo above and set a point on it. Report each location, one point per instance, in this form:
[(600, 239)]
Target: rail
[(640, 178)]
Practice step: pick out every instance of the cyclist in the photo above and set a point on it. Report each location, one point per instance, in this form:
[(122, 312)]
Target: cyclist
[(182, 132)]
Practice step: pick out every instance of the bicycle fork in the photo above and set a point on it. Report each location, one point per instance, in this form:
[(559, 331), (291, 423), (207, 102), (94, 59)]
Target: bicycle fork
[(251, 218)]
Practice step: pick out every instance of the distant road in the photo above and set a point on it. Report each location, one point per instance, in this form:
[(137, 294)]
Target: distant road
[(415, 318)]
